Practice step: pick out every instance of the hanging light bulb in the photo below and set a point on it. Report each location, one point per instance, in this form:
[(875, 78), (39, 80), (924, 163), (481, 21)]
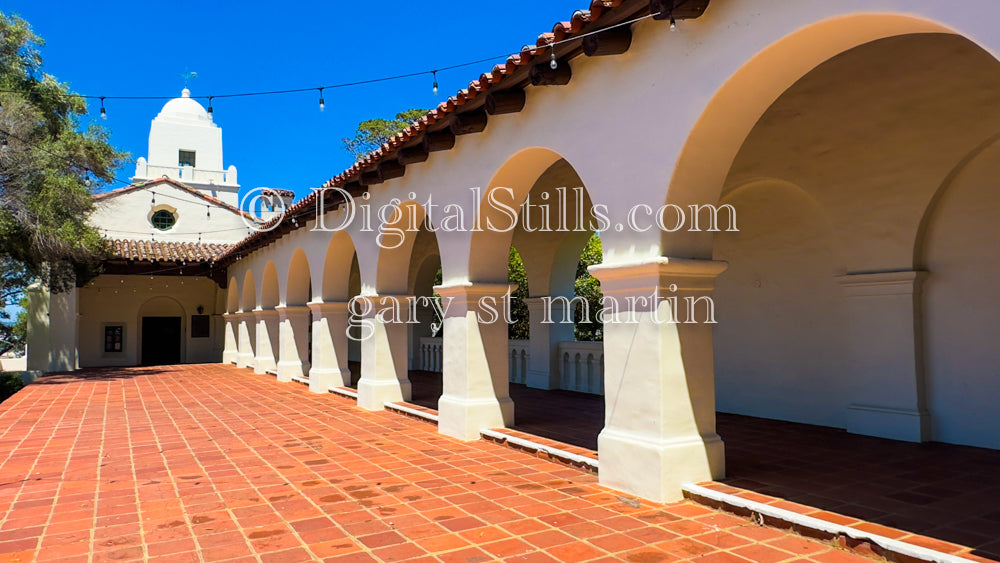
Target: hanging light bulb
[(208, 211), (322, 104), (553, 64), (435, 89), (211, 110), (673, 24), (104, 112)]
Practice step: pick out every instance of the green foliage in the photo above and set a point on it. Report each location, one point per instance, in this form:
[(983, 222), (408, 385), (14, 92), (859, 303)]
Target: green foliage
[(518, 308), (47, 165), (373, 133), (589, 288), (10, 383), (13, 279)]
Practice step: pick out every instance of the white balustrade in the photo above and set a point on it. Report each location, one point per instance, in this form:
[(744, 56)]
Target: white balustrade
[(582, 367), (581, 363)]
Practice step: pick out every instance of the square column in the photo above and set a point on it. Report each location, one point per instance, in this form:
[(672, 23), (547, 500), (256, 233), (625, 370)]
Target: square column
[(267, 339), (293, 342), (247, 339), (886, 355), (659, 387), (230, 338), (383, 335), (547, 331), (329, 345), (476, 379)]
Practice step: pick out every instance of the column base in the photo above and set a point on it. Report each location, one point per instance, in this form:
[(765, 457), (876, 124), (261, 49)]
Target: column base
[(372, 395), (288, 370), (262, 365), (884, 422), (320, 379), (244, 360), (229, 356), (464, 418), (656, 470)]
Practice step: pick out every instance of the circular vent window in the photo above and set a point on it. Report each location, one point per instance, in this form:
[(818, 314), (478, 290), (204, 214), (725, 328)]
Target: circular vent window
[(163, 220)]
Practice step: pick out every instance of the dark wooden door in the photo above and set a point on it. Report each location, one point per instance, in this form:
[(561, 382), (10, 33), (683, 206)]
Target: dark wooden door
[(161, 341)]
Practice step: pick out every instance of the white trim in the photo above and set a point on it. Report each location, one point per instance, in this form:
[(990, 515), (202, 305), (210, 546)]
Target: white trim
[(409, 410), (343, 392), (575, 458), (896, 546)]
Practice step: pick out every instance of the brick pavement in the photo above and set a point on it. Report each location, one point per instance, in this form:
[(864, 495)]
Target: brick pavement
[(213, 463)]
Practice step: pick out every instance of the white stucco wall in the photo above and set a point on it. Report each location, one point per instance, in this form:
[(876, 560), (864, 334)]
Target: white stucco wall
[(865, 144), (127, 216), (962, 313), (126, 299)]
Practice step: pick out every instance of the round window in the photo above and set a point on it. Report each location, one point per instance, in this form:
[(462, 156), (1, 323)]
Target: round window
[(163, 219)]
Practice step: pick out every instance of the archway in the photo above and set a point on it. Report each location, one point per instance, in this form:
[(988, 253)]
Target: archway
[(266, 319), (295, 330), (557, 379), (962, 306), (331, 346), (248, 325)]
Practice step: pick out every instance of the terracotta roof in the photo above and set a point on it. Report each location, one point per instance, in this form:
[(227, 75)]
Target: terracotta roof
[(160, 251), (177, 184), (514, 73)]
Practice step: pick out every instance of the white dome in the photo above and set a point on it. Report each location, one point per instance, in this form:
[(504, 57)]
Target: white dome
[(184, 108)]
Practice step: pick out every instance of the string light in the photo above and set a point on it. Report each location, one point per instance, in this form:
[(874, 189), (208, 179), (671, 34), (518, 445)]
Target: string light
[(553, 64), (322, 104), (433, 72), (211, 110), (673, 24)]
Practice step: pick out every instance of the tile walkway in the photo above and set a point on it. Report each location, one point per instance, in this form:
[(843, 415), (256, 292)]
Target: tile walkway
[(213, 463), (948, 494)]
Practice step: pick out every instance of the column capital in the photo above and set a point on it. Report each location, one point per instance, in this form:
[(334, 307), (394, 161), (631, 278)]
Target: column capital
[(327, 307), (264, 313), (289, 311), (868, 284), (662, 271), (471, 290)]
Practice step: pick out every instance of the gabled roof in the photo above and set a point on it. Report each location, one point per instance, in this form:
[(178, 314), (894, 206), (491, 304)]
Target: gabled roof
[(162, 251), (177, 184)]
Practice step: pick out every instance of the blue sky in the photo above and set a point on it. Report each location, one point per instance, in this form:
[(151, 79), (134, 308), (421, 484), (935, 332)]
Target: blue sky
[(139, 48)]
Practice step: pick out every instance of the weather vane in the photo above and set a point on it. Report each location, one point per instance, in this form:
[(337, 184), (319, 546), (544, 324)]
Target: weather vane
[(188, 75)]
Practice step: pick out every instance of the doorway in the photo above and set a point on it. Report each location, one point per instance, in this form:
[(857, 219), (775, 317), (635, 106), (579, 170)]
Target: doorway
[(161, 341)]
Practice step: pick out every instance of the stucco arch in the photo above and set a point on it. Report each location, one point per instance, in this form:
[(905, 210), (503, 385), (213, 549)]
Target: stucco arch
[(397, 238), (920, 245), (340, 255), (269, 291), (297, 287), (508, 188), (232, 296), (715, 139), (248, 300)]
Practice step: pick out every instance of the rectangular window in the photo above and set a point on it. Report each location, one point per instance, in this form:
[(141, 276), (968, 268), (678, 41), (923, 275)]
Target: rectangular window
[(200, 326), (185, 158), (114, 338)]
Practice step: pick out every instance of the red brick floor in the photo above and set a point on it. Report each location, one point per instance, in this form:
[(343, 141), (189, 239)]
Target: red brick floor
[(211, 463), (944, 492)]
